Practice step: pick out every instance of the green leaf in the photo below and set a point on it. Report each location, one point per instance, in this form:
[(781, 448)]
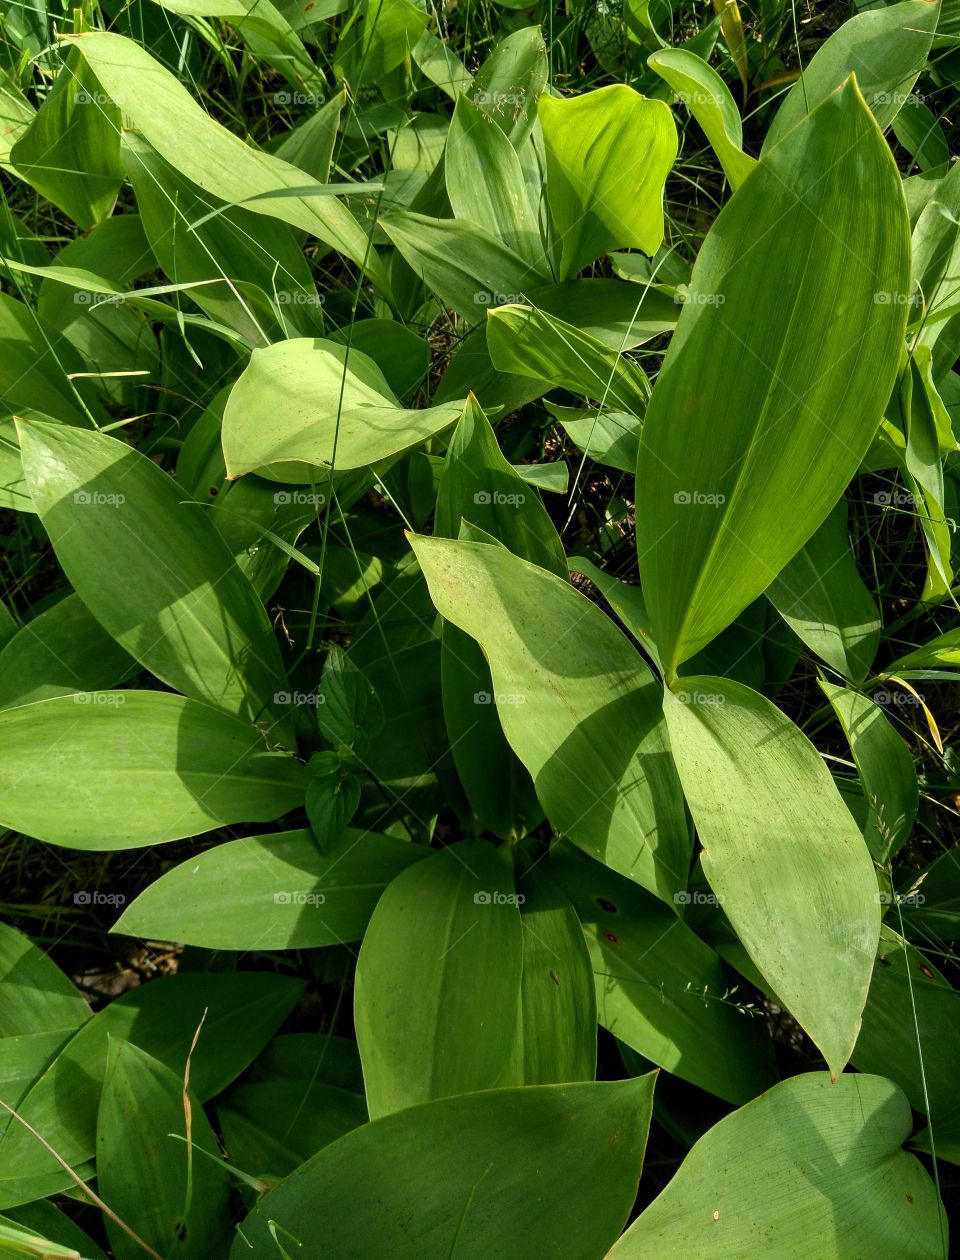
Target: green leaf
[(50, 1223), (781, 852), (187, 1210), (885, 48), (578, 705), (71, 151), (63, 649), (510, 81), (265, 30), (243, 1010), (886, 770), (911, 1031), (270, 1127), (154, 571), (822, 597), (271, 892), (463, 264), (608, 155), (659, 987), (555, 1163), (36, 367), (557, 1029), (529, 342), (295, 401), (708, 99), (331, 802), (812, 1168), (485, 184), (35, 995), (611, 438), (776, 378), (349, 712), (438, 981), (479, 485), (166, 115), (122, 769)]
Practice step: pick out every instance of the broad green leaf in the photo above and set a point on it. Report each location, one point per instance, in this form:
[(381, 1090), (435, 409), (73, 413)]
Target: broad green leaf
[(463, 264), (782, 852), (378, 39), (625, 600), (557, 1164), (917, 129), (331, 801), (296, 401), (154, 571), (271, 892), (578, 705), (609, 437), (23, 1058), (236, 249), (885, 48), (35, 995), (50, 1223), (270, 1127), (243, 1010), (478, 485), (708, 99), (71, 151), (510, 81), (485, 183), (36, 367), (911, 1032), (776, 378), (108, 770), (822, 597), (529, 342), (350, 712), (265, 30), (557, 1028), (186, 1212), (438, 981), (63, 649), (608, 154), (886, 770), (441, 65), (325, 1058), (942, 651), (659, 987), (168, 118), (812, 1168)]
